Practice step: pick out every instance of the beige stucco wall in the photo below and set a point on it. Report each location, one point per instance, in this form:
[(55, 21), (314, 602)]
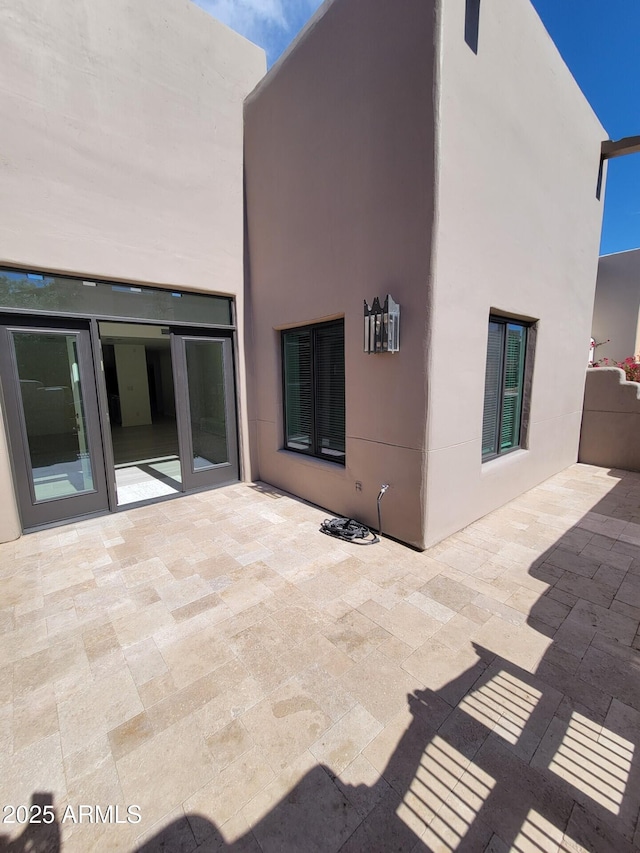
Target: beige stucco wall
[(517, 230), (339, 187), (611, 420), (121, 139), (344, 190), (616, 311), (10, 526)]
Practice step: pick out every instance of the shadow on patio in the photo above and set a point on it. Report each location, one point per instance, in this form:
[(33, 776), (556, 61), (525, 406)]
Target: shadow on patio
[(499, 757)]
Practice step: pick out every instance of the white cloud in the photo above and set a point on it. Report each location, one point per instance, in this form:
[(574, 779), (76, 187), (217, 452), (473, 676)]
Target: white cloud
[(272, 24), (243, 15)]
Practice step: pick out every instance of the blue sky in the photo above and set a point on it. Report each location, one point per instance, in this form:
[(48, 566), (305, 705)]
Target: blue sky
[(599, 40)]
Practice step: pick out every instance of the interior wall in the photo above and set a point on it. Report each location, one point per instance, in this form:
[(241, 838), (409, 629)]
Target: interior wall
[(166, 380), (518, 232), (133, 384), (155, 383)]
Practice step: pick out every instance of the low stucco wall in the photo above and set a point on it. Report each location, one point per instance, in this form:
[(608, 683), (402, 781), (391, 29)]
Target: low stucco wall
[(611, 420)]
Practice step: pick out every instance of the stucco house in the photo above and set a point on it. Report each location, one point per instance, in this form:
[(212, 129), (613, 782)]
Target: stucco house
[(182, 285)]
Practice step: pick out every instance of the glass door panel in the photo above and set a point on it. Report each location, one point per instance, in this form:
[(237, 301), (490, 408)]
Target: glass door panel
[(53, 423), (52, 406), (206, 414), (207, 410)]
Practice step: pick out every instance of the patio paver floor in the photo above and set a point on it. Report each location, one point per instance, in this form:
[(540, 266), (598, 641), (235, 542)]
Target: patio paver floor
[(253, 685)]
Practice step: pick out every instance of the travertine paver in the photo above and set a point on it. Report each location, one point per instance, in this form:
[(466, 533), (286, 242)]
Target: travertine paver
[(250, 684)]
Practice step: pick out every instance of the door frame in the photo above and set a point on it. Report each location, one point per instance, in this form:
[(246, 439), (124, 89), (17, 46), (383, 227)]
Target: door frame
[(103, 414), (97, 412), (105, 418)]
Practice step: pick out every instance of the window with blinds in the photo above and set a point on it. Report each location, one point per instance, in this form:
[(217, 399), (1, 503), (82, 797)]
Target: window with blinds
[(503, 387), (314, 390)]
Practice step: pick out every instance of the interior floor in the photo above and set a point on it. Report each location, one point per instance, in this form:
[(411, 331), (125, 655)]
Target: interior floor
[(146, 461), (151, 441)]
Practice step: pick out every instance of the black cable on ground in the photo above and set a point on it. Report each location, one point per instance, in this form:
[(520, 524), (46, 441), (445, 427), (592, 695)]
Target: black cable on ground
[(349, 530)]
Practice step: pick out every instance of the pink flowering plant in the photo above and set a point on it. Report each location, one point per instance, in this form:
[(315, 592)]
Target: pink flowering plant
[(631, 366)]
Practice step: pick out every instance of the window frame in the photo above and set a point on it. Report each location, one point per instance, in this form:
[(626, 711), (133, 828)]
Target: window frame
[(529, 327), (315, 451)]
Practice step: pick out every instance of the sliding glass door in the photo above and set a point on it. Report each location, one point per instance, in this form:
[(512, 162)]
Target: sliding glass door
[(52, 416)]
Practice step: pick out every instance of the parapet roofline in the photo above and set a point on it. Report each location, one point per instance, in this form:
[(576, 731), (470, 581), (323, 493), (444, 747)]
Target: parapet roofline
[(304, 33)]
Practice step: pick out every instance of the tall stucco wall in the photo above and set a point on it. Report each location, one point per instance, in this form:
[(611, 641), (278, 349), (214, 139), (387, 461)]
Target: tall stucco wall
[(121, 129), (121, 145), (339, 187), (616, 311), (611, 420), (517, 225)]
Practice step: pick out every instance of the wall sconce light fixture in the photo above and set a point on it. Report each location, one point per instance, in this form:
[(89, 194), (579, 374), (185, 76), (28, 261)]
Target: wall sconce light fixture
[(382, 326)]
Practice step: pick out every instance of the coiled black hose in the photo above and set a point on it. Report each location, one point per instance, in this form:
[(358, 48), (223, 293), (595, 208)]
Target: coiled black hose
[(349, 530), (353, 531)]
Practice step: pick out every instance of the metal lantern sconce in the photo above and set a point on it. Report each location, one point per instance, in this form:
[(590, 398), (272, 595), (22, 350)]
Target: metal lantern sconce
[(382, 326)]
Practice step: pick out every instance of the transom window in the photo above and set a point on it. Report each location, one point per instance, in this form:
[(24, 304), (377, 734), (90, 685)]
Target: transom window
[(313, 379), (502, 428)]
